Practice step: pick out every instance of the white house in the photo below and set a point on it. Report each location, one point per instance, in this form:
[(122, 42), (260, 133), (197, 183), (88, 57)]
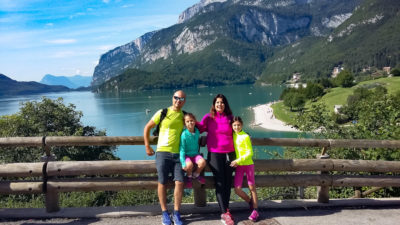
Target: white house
[(336, 71), (336, 108)]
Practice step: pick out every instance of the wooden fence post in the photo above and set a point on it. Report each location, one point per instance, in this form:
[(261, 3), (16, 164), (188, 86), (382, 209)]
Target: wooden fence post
[(301, 192), (51, 196), (52, 201), (357, 192), (199, 194), (323, 191)]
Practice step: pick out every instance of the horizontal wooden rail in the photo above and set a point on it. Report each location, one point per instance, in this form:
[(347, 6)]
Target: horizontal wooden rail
[(327, 165), (76, 168), (150, 183), (101, 167), (21, 141), (21, 169), (291, 180), (138, 140), (104, 184), (21, 187), (305, 180), (97, 140)]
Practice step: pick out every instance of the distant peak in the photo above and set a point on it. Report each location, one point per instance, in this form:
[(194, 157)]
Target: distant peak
[(4, 77), (191, 11)]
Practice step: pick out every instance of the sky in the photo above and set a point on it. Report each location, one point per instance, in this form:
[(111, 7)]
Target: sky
[(67, 37)]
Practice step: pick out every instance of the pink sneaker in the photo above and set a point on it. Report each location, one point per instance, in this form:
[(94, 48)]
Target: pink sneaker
[(226, 218), (254, 216), (201, 179), (229, 213)]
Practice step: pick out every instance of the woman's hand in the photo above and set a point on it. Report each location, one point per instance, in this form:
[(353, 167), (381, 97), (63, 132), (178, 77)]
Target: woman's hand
[(234, 163)]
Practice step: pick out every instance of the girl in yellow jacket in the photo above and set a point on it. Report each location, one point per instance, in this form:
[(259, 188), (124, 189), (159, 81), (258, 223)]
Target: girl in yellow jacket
[(244, 165)]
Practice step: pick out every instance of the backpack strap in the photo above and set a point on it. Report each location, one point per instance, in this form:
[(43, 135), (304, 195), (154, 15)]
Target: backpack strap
[(164, 112), (163, 115)]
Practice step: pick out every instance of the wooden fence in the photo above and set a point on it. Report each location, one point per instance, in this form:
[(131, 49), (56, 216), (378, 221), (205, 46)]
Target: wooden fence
[(52, 176)]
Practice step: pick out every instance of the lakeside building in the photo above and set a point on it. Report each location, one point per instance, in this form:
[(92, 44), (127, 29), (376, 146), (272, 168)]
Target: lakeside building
[(336, 71)]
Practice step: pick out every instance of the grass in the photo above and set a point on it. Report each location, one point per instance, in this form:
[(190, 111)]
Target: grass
[(283, 113), (336, 96)]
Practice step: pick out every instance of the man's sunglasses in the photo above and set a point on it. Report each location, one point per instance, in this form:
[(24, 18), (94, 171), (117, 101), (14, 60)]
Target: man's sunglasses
[(178, 98)]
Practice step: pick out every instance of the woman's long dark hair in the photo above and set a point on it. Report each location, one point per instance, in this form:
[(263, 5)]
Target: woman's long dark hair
[(227, 110)]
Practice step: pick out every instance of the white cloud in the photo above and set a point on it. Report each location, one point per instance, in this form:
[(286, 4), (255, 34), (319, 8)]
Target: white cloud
[(61, 41), (106, 1)]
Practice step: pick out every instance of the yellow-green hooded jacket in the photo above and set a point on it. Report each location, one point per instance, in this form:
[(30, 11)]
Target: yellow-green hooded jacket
[(243, 148)]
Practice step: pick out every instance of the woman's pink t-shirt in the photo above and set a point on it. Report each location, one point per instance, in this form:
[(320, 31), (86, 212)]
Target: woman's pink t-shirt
[(219, 132)]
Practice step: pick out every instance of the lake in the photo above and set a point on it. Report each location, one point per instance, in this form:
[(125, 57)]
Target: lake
[(124, 114)]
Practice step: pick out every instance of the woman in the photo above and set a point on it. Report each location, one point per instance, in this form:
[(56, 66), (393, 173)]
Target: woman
[(217, 124)]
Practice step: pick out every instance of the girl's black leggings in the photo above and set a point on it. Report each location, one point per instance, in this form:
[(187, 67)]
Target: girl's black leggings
[(219, 164)]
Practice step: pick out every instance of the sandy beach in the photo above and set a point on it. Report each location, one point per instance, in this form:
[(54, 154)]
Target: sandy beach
[(264, 117)]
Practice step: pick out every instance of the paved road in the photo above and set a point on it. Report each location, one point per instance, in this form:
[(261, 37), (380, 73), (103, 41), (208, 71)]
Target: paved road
[(350, 213)]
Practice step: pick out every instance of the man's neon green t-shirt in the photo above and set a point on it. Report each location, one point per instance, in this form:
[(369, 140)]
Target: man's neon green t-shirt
[(170, 130)]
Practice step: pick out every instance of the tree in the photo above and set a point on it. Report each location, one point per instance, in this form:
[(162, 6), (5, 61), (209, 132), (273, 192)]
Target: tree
[(50, 118), (294, 100), (326, 83), (344, 79), (395, 72), (376, 115), (313, 91)]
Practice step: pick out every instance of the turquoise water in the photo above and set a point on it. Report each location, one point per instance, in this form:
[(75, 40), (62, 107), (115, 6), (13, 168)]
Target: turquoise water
[(125, 114)]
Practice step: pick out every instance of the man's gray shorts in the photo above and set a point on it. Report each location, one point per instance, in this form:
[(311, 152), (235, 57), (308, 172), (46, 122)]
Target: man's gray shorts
[(167, 163)]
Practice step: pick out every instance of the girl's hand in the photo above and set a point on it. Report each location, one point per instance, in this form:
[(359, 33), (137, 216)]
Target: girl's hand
[(234, 163)]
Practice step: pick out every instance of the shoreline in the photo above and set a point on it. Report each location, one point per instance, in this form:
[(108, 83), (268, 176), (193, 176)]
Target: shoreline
[(264, 117)]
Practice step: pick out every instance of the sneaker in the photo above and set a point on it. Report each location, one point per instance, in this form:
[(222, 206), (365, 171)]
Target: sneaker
[(254, 216), (229, 213), (201, 179), (188, 183), (166, 219), (177, 218), (226, 218)]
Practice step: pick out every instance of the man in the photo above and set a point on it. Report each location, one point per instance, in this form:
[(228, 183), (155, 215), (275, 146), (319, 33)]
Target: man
[(167, 157)]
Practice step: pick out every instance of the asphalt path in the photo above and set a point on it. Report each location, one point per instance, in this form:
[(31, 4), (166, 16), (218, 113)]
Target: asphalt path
[(350, 213)]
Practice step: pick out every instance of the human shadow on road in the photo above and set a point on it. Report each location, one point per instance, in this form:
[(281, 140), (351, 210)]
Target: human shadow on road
[(82, 221)]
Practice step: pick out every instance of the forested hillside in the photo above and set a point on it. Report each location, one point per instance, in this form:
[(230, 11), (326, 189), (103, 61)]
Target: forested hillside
[(369, 38), (223, 42)]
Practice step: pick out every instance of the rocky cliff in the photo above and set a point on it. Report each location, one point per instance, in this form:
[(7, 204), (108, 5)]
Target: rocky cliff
[(230, 41)]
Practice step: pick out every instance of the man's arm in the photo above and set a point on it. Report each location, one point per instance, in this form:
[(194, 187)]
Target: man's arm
[(146, 136)]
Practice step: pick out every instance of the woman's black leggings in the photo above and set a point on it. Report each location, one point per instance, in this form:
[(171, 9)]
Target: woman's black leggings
[(219, 164)]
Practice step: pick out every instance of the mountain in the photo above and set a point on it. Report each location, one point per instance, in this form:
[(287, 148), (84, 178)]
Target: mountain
[(369, 38), (70, 82), (9, 87), (219, 42)]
